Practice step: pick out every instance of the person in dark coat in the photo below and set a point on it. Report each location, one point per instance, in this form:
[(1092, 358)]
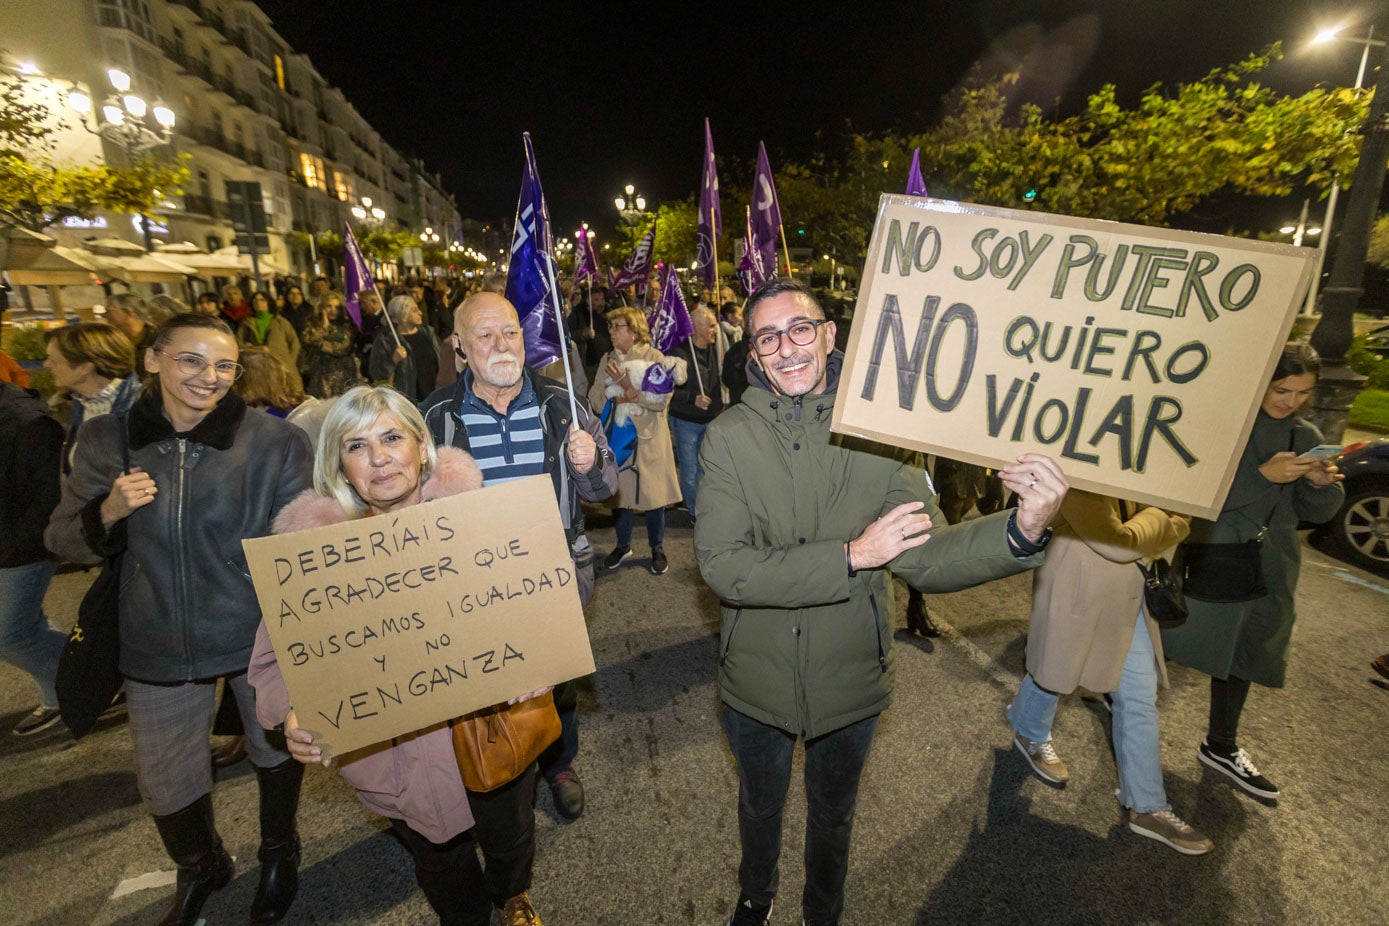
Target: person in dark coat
[(1243, 642), (31, 446)]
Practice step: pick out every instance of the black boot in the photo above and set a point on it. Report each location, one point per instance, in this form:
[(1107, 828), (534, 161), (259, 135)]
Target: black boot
[(279, 842), (203, 865), (918, 618)]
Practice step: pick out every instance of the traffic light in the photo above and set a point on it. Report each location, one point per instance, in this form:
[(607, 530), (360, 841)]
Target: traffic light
[(1030, 195), (800, 230)]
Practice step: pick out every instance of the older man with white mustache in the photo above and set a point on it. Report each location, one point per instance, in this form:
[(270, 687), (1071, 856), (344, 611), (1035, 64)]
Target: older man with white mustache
[(516, 423)]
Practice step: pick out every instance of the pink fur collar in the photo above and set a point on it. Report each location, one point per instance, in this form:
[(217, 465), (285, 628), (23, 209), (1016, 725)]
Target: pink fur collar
[(454, 473)]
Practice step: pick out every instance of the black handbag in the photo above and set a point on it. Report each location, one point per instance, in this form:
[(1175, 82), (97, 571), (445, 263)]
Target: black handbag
[(89, 675), (1163, 600), (1225, 572)]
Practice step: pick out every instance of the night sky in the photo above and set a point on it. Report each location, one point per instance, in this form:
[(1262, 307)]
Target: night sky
[(615, 94)]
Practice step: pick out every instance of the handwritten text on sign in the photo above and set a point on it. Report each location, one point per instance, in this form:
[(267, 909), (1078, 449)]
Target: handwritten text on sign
[(389, 624), (1135, 356)]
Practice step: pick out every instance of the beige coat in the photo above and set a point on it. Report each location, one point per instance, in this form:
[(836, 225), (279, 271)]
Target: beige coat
[(650, 481), (282, 340), (1088, 592)]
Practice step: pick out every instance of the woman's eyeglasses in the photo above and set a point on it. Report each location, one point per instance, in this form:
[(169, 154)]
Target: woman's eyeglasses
[(193, 365)]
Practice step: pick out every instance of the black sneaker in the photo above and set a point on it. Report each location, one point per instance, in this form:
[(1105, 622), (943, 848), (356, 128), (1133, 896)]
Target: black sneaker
[(1238, 768), (659, 565), (748, 913), (40, 719), (615, 558)]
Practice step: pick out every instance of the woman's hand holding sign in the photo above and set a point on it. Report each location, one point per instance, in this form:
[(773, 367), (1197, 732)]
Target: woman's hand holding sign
[(1040, 486)]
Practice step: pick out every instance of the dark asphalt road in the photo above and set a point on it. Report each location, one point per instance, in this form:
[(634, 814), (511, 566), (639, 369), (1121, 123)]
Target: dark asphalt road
[(951, 828)]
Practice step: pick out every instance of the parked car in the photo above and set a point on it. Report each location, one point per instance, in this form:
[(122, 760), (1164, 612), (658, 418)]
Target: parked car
[(1359, 533)]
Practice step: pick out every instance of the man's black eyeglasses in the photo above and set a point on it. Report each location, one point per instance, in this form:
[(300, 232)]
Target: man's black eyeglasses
[(800, 332)]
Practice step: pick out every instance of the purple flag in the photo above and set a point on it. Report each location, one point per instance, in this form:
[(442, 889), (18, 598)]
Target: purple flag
[(766, 212), (751, 272), (585, 260), (669, 321), (528, 276), (638, 266), (356, 276), (916, 186), (612, 281), (710, 214), (658, 380)]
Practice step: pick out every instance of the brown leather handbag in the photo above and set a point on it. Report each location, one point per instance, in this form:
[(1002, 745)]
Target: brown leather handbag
[(496, 744)]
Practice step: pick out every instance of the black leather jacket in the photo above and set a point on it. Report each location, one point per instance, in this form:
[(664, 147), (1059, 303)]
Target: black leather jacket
[(188, 609)]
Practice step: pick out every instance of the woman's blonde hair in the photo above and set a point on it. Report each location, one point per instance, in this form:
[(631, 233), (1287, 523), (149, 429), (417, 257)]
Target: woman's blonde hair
[(357, 408), (635, 318), (104, 346), (266, 381)]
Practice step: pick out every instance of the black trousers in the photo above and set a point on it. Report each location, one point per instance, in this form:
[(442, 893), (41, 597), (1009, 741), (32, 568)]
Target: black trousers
[(1227, 704), (461, 890)]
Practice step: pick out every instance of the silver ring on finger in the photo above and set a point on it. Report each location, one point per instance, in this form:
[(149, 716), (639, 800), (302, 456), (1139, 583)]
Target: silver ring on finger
[(1032, 484)]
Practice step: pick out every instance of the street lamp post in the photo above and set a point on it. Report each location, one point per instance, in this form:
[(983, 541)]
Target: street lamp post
[(1330, 35), (128, 121), (1301, 229), (1339, 384), (632, 208)]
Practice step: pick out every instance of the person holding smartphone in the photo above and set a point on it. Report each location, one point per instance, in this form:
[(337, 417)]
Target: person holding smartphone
[(1238, 642)]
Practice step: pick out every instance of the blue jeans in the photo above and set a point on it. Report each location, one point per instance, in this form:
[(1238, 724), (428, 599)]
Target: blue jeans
[(833, 764), (688, 436), (655, 526), (27, 640), (1136, 748)]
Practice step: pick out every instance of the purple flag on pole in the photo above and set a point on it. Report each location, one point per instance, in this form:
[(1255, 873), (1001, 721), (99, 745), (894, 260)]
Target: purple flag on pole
[(710, 214), (766, 212), (612, 281), (638, 266), (751, 271), (356, 276), (916, 186), (585, 260), (669, 321), (658, 380), (528, 275)]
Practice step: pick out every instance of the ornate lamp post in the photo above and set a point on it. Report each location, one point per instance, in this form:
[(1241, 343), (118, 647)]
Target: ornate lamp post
[(128, 121), (632, 209)]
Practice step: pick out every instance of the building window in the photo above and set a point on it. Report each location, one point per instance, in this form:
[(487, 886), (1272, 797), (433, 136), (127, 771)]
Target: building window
[(214, 243), (280, 71), (312, 169), (343, 184)]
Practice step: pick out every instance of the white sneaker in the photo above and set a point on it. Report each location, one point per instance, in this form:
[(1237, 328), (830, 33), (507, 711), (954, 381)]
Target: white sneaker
[(1166, 827), (1043, 759)]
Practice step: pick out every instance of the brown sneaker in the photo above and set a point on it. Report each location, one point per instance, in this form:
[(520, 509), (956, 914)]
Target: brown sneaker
[(1166, 826), (1043, 759), (517, 911)]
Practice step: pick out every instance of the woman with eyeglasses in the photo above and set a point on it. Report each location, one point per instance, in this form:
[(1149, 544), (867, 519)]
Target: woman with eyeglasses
[(650, 482), (203, 474)]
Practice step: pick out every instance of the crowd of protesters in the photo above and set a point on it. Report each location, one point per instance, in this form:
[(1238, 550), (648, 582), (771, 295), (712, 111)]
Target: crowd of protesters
[(324, 418)]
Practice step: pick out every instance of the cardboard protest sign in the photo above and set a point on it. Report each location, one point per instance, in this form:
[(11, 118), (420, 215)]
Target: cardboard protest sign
[(1136, 357), (389, 624)]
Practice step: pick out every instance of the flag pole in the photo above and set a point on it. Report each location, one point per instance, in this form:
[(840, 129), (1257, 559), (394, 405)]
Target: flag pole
[(699, 377), (789, 270), (563, 341), (714, 237)]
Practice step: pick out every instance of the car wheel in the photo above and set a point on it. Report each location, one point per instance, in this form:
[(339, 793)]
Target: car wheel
[(1360, 530)]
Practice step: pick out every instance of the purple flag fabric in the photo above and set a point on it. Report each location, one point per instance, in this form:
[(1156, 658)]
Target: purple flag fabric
[(669, 321), (612, 281), (751, 271), (638, 266), (766, 212), (658, 380), (356, 276), (585, 260), (529, 273), (916, 185), (710, 214)]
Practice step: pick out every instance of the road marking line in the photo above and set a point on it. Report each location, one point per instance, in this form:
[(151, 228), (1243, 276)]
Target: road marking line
[(1001, 676), (144, 882), (1356, 580)]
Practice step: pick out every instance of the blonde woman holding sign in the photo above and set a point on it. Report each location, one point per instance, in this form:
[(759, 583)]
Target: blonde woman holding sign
[(374, 457)]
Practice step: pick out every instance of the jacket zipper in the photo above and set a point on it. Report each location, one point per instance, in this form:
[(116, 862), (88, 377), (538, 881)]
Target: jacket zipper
[(737, 616), (878, 632), (181, 485)]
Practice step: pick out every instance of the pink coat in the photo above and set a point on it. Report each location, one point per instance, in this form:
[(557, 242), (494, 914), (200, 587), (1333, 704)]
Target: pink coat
[(414, 777)]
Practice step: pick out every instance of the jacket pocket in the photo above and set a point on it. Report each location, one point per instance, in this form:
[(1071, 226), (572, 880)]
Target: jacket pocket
[(728, 638), (241, 568), (878, 632)]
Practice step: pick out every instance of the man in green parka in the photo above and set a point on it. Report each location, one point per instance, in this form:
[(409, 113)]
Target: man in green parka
[(796, 532)]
